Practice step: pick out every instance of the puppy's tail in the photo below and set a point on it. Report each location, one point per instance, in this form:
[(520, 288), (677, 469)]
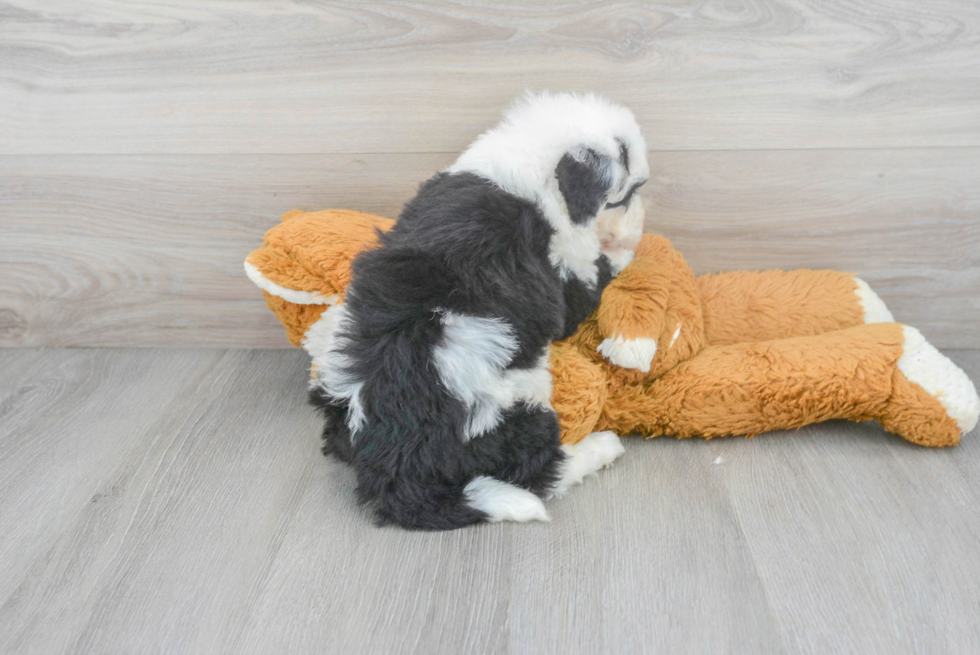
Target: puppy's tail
[(447, 507), (426, 506)]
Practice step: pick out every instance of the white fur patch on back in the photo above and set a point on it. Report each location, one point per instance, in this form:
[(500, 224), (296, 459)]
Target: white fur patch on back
[(502, 501), (324, 344), (922, 364), (629, 353), (472, 360), (291, 295), (874, 307)]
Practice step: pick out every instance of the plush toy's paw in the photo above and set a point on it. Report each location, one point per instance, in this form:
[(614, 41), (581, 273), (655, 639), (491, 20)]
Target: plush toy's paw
[(587, 457), (874, 307), (502, 501), (925, 366), (629, 353)]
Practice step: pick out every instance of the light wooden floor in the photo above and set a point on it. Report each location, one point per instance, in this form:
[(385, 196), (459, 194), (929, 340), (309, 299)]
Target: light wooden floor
[(175, 501)]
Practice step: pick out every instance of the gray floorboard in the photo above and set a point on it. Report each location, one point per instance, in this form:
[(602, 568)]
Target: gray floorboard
[(175, 501)]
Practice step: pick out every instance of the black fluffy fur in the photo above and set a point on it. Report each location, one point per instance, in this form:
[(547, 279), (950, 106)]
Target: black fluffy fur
[(462, 245), (336, 434)]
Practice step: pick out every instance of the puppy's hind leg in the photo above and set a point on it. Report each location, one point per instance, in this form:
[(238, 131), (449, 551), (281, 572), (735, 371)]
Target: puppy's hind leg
[(587, 457), (336, 434), (517, 464)]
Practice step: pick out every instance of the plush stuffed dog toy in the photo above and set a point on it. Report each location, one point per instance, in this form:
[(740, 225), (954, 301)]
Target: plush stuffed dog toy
[(668, 353)]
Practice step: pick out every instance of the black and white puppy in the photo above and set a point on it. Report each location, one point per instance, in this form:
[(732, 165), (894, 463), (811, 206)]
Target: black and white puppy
[(434, 376)]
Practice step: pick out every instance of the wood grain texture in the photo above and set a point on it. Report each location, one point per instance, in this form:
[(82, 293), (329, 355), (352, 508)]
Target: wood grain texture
[(141, 251), (71, 417), (145, 146), (105, 76), (203, 519), (165, 477), (147, 250), (906, 221), (898, 525)]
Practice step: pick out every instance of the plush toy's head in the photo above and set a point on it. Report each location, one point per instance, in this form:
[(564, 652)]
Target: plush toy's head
[(304, 263)]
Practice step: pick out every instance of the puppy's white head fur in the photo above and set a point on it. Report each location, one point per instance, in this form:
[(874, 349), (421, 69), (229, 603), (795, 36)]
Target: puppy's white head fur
[(571, 155)]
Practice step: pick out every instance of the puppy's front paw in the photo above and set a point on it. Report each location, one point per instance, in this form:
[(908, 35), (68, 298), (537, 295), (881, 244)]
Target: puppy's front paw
[(601, 448), (629, 353), (587, 457)]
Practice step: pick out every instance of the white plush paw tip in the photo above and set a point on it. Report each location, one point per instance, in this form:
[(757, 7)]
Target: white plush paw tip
[(922, 364), (629, 353)]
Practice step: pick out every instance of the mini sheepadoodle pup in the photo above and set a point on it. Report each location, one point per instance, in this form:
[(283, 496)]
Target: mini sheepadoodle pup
[(436, 386)]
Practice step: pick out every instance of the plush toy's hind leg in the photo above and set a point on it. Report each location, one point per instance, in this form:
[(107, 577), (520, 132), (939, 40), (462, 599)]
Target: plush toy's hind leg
[(854, 374), (743, 306), (923, 378)]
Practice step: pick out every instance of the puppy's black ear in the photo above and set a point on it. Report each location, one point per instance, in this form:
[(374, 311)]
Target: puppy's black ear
[(585, 178)]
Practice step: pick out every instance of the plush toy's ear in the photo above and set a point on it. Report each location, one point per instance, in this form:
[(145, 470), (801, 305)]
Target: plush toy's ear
[(585, 178)]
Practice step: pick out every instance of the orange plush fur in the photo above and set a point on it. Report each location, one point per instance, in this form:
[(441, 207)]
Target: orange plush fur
[(737, 353)]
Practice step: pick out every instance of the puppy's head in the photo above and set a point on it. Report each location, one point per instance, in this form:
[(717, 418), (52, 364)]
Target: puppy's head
[(578, 157)]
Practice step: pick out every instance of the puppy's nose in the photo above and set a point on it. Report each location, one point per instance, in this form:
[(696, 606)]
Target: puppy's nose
[(610, 237)]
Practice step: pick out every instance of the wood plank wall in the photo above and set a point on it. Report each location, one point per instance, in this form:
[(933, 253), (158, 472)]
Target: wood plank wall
[(146, 146)]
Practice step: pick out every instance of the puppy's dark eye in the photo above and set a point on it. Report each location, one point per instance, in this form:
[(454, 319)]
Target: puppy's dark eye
[(626, 199), (624, 154)]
